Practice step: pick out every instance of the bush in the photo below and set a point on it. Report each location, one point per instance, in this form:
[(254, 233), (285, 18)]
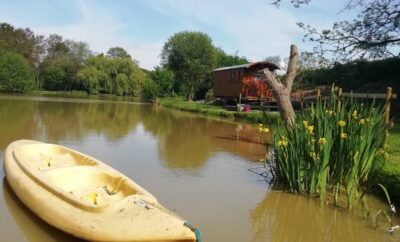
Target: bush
[(164, 78), (150, 90), (54, 78), (15, 73)]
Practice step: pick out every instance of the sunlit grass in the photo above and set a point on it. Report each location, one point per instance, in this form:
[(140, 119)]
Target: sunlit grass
[(394, 144), (215, 110)]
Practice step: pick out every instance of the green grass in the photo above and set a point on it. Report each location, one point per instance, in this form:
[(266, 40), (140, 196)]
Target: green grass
[(394, 144), (219, 111), (389, 174), (60, 93)]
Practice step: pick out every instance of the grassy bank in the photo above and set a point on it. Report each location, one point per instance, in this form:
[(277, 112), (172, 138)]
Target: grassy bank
[(59, 93), (218, 111), (389, 174)]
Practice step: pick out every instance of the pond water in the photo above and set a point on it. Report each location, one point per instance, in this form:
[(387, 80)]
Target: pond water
[(195, 166)]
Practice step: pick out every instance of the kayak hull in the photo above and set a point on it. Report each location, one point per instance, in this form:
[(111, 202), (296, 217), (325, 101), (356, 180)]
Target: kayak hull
[(86, 198)]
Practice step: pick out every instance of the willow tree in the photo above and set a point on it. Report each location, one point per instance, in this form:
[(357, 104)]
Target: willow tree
[(282, 88)]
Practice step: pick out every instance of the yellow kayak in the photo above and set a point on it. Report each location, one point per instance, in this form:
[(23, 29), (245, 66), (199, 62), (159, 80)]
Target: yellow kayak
[(86, 198)]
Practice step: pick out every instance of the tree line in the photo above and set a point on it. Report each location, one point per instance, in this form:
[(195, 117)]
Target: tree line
[(29, 61)]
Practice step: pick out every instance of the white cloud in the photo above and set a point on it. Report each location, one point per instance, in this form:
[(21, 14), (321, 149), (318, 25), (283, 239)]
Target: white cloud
[(256, 29), (101, 31)]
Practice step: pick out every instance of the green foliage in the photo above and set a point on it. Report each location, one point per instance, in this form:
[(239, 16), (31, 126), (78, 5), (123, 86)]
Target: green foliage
[(90, 78), (330, 149), (224, 59), (55, 47), (150, 90), (15, 73), (54, 78), (65, 55), (358, 75), (117, 52), (192, 57), (120, 76), (21, 41), (164, 78)]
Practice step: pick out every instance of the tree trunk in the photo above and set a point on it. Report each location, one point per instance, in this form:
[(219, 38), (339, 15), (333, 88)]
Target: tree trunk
[(282, 89), (191, 93)]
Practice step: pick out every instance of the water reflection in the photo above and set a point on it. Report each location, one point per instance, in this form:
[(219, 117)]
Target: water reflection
[(286, 217), (34, 228), (187, 141), (184, 141), (55, 121)]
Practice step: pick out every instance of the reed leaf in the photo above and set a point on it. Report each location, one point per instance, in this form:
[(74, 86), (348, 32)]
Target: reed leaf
[(329, 148)]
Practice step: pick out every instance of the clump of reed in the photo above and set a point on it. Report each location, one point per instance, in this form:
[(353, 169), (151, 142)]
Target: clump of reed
[(330, 149)]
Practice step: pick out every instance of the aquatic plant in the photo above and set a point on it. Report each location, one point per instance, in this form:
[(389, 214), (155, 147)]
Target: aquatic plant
[(331, 147)]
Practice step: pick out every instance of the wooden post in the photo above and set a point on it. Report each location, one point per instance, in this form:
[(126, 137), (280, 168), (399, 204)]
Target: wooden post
[(239, 106), (387, 104), (340, 95), (318, 94), (301, 100)]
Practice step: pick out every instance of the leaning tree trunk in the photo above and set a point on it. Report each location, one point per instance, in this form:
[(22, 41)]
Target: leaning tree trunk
[(282, 89)]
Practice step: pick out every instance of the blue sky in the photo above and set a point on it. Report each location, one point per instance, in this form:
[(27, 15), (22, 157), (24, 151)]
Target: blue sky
[(254, 29)]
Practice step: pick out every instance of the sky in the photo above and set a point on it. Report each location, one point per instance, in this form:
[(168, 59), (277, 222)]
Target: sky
[(253, 28)]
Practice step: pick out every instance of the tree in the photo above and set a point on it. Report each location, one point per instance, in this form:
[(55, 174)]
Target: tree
[(78, 52), (55, 47), (91, 78), (103, 74), (192, 57), (150, 89), (224, 59), (282, 89), (15, 73), (309, 60), (276, 59), (373, 34), (117, 52), (22, 41), (54, 78), (164, 79)]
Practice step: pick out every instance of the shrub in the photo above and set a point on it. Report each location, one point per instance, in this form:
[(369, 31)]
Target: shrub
[(15, 73), (54, 78), (150, 90)]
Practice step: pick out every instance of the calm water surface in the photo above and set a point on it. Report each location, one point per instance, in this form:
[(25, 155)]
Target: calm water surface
[(195, 166)]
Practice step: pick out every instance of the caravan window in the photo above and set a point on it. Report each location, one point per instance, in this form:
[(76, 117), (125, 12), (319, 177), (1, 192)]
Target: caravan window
[(234, 76)]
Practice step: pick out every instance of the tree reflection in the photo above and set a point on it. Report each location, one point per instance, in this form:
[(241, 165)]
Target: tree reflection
[(17, 120), (185, 141), (57, 121)]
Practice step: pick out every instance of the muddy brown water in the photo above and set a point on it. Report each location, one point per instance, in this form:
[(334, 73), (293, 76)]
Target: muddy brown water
[(193, 165)]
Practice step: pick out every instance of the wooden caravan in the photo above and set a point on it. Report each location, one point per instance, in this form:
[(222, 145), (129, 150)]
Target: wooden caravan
[(243, 80)]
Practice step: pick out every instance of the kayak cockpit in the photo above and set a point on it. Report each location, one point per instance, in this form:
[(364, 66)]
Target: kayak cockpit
[(90, 186), (47, 156), (72, 176)]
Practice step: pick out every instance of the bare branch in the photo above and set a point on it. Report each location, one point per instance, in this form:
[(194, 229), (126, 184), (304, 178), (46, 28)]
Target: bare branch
[(292, 67)]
